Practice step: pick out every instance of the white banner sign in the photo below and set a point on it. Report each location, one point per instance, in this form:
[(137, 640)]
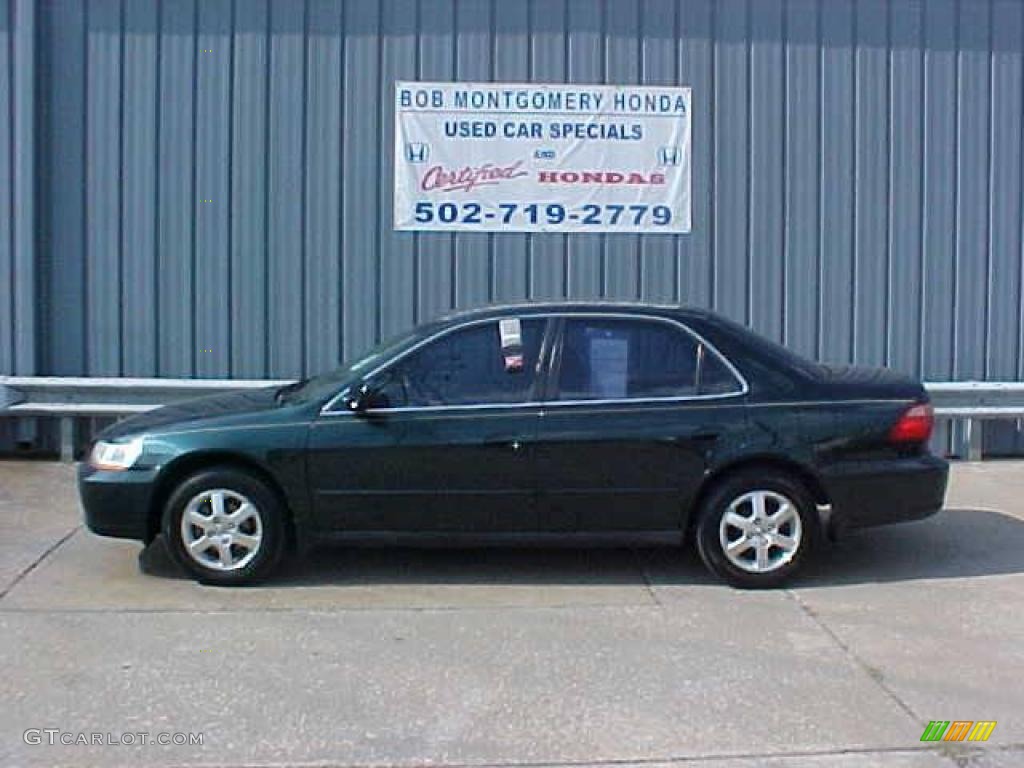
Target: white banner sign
[(527, 157)]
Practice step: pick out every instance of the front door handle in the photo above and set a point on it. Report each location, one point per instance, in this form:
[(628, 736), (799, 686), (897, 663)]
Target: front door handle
[(696, 437)]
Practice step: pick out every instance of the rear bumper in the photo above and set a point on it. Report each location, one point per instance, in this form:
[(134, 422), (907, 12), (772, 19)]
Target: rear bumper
[(869, 493), (116, 504)]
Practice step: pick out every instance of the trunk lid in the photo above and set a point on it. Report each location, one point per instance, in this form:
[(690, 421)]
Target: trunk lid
[(869, 383)]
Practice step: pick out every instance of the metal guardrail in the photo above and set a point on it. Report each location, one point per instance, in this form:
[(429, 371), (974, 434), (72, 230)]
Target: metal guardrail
[(71, 398), (974, 403)]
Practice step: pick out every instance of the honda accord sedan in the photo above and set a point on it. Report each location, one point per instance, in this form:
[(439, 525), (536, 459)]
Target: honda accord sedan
[(531, 422)]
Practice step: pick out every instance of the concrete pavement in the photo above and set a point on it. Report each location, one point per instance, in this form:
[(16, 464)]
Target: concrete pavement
[(478, 657)]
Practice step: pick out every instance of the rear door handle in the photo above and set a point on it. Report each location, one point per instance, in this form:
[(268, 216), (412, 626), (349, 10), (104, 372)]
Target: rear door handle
[(508, 445)]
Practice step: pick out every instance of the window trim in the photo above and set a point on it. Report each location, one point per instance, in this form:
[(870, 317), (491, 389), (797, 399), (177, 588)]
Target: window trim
[(542, 361), (554, 370), (545, 359)]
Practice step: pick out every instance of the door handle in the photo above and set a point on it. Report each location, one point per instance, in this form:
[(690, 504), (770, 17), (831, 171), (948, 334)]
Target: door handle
[(508, 445), (696, 437)]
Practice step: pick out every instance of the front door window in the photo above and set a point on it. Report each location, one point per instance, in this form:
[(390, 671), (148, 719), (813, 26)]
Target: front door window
[(486, 363)]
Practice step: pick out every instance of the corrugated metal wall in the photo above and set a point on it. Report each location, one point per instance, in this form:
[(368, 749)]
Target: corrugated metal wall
[(19, 257), (216, 181)]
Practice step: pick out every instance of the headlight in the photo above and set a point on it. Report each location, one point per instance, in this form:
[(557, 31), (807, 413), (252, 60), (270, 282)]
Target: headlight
[(110, 455)]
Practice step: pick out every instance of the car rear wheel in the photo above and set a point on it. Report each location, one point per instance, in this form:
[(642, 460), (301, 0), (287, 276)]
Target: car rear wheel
[(225, 526), (757, 529)]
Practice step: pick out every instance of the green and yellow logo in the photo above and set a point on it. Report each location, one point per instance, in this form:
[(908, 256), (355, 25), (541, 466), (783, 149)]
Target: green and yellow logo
[(958, 730)]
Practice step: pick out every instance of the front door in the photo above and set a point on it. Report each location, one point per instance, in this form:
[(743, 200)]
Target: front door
[(635, 404), (449, 447)]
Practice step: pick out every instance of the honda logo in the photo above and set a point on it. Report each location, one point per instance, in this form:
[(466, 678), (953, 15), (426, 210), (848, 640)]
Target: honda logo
[(416, 152), (670, 155)]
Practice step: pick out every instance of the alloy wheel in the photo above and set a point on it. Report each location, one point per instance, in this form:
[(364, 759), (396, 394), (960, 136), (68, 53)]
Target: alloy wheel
[(760, 531), (221, 529)]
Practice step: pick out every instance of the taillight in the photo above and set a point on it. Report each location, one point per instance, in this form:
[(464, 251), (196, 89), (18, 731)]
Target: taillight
[(914, 426)]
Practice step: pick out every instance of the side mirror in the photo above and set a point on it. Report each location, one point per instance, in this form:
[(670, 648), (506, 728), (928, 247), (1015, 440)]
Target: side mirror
[(365, 398)]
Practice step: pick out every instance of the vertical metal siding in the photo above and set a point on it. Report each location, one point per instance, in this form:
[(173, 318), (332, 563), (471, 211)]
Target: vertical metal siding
[(215, 177), (7, 272), (18, 259)]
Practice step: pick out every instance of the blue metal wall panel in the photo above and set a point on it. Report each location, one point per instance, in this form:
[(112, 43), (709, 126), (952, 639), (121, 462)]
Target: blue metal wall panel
[(767, 160), (20, 297), (622, 65), (215, 178), (838, 182), (871, 193), (103, 190), (473, 264), (64, 212), (511, 275), (213, 82), (1007, 202), (695, 252), (323, 194), (23, 158), (730, 211), (801, 293), (285, 205), (586, 64), (435, 260), (940, 161), (658, 62), (249, 287), (906, 191), (138, 179), (973, 173), (549, 63), (176, 194), (7, 273)]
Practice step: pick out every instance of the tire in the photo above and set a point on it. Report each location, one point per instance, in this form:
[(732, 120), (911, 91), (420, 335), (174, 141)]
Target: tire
[(748, 537), (239, 519)]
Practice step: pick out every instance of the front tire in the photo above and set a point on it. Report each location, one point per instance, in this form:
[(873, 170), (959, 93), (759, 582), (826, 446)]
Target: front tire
[(225, 526), (757, 529)]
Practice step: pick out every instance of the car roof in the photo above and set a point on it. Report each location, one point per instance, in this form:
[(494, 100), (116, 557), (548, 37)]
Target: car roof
[(574, 307)]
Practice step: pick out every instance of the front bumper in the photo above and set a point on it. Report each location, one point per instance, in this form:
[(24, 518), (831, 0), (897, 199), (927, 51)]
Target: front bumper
[(869, 493), (116, 503)]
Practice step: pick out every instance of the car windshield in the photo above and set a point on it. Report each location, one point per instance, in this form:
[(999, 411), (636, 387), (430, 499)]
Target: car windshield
[(332, 382)]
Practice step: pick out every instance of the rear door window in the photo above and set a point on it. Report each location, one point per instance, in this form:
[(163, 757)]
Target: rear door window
[(624, 358)]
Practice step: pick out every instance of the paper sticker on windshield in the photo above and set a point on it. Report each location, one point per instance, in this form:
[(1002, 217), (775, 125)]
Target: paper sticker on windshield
[(609, 366), (513, 363), (511, 333)]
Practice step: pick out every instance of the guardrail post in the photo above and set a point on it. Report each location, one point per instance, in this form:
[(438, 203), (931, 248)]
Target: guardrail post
[(974, 439), (67, 439)]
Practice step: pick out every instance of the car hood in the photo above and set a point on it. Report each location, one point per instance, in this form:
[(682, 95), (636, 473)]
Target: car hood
[(196, 409), (861, 381)]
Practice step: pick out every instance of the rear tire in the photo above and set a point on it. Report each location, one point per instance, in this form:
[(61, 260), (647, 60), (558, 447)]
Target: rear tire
[(225, 526), (757, 529)]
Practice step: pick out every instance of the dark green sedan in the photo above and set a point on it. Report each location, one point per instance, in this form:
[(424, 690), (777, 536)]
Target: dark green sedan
[(569, 421)]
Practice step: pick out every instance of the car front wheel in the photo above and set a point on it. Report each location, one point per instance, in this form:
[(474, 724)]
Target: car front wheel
[(225, 526), (757, 529)]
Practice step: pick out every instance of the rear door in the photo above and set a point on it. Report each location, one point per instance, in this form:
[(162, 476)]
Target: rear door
[(634, 405)]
